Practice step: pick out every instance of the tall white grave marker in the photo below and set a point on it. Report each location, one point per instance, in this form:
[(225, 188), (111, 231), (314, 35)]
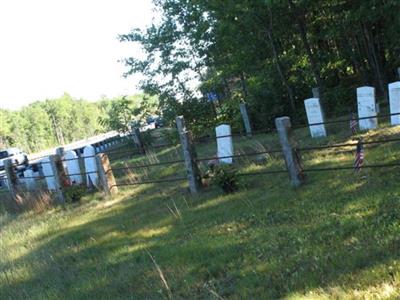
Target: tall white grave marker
[(72, 167), (366, 107), (224, 143), (90, 166), (315, 115), (29, 181), (394, 97), (48, 172)]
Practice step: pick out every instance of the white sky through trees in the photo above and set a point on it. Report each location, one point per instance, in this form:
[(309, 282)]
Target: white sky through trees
[(48, 47)]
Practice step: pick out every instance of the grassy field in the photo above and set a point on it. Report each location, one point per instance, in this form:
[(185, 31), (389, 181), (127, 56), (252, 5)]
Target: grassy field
[(337, 237)]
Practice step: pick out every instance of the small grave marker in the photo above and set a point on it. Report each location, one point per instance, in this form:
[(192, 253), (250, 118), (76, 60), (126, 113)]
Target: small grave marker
[(90, 166), (366, 107), (315, 116), (245, 117), (224, 143), (29, 180), (48, 172), (72, 167), (394, 99)]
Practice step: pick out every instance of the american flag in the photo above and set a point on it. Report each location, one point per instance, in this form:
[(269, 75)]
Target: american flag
[(353, 124), (359, 159)]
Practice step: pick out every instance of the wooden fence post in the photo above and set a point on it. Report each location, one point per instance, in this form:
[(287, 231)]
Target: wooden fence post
[(137, 139), (190, 157), (246, 119), (12, 183), (59, 177), (106, 176), (292, 157)]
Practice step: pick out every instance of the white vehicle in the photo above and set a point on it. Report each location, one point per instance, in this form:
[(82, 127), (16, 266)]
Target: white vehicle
[(17, 156)]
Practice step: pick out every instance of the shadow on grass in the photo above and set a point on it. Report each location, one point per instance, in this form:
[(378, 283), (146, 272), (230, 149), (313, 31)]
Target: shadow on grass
[(266, 241), (242, 245)]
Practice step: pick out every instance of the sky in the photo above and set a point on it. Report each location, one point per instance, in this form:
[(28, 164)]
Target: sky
[(48, 47)]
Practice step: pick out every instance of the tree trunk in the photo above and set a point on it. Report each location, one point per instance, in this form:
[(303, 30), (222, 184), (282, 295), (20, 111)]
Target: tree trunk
[(373, 59), (280, 70), (303, 35), (244, 85)]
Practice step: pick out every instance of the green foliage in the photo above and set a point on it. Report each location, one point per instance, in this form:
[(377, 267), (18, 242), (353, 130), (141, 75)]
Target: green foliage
[(74, 193), (225, 177), (41, 125), (49, 123), (337, 237), (270, 52), (127, 112), (147, 138), (170, 136)]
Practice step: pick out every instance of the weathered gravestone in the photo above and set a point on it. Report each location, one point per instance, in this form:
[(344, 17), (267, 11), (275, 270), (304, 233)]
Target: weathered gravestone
[(315, 92), (224, 143), (48, 173), (29, 179), (90, 166), (315, 116), (245, 117), (394, 98), (72, 167), (367, 107)]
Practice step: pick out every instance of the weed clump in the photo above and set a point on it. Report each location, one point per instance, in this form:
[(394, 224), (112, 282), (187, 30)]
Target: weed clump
[(74, 193), (225, 177)]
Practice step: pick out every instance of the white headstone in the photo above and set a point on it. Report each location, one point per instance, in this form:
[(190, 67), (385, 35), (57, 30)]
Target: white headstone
[(90, 165), (366, 107), (314, 116), (29, 181), (72, 167), (4, 182), (394, 98), (224, 144), (47, 171)]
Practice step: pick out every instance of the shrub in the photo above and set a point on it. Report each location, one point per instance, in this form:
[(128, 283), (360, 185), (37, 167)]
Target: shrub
[(226, 178), (74, 193), (170, 136)]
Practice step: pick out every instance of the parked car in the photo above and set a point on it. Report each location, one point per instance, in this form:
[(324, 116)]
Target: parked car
[(17, 156)]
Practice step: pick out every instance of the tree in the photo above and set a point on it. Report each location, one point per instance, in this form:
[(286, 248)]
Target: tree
[(260, 50)]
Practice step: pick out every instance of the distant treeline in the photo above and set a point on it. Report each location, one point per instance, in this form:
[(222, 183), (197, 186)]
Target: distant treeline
[(49, 123)]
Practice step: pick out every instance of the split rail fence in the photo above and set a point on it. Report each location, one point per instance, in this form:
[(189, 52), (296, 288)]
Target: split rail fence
[(64, 169)]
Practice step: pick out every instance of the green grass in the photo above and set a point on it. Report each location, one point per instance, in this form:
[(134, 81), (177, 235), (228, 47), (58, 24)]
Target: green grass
[(336, 237)]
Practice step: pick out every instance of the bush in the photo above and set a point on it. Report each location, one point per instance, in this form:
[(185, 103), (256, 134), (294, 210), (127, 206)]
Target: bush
[(74, 193), (226, 178), (170, 136)]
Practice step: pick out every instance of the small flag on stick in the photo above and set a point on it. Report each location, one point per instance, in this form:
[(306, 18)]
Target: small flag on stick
[(353, 124), (359, 158)]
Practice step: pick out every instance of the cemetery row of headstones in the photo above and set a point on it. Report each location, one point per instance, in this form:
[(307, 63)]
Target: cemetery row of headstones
[(366, 105), (63, 170), (72, 166), (42, 167)]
